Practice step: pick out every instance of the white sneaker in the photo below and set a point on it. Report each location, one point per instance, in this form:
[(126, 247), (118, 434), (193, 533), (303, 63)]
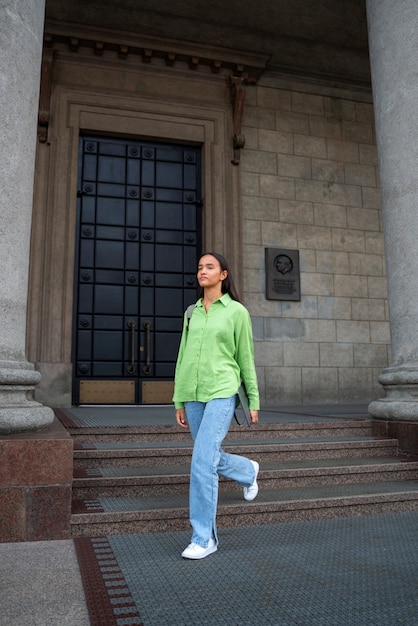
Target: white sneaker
[(194, 551), (251, 492)]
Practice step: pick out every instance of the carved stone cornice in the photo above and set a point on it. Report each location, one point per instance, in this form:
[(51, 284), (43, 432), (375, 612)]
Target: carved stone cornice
[(236, 62), (238, 67)]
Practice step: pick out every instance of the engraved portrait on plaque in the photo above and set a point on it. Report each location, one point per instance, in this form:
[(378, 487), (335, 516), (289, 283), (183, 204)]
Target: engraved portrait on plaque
[(282, 274)]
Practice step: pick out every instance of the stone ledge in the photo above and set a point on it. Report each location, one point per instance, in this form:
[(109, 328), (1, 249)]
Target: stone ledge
[(35, 485), (405, 432)]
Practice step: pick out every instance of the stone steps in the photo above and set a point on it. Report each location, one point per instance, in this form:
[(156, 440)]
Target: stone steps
[(170, 512), (136, 479), (114, 434), (141, 481), (151, 454)]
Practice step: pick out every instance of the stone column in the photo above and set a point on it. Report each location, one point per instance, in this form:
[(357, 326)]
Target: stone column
[(21, 35), (393, 43)]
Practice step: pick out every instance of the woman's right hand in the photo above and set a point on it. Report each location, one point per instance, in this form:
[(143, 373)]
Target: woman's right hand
[(181, 418)]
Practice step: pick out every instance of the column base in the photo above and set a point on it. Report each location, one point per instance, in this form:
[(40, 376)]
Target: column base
[(401, 400), (25, 419), (18, 411)]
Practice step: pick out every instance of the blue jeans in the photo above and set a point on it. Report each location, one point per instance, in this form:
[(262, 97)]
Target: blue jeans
[(209, 423)]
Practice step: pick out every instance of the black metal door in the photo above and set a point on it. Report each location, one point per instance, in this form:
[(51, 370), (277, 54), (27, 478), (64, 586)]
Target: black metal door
[(139, 225)]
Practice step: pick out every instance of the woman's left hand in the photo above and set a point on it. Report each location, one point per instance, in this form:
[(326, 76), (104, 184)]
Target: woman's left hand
[(254, 416), (181, 418)]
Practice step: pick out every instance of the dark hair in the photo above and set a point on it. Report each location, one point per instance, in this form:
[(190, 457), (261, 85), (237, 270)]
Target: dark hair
[(228, 285)]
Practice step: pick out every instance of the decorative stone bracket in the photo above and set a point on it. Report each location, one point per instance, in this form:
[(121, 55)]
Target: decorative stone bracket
[(238, 92)]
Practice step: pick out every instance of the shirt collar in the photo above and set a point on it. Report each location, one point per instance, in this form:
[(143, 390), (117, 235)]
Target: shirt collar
[(225, 300)]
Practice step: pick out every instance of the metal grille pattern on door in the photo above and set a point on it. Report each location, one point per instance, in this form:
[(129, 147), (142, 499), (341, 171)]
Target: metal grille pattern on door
[(138, 240)]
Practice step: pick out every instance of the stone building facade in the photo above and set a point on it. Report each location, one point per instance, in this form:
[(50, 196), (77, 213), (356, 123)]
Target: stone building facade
[(294, 144), (306, 180)]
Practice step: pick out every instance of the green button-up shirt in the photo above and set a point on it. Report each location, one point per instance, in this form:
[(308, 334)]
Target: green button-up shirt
[(215, 354)]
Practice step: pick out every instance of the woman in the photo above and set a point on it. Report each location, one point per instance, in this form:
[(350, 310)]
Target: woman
[(216, 352)]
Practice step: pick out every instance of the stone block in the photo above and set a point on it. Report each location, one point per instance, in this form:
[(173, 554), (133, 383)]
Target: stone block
[(319, 384), (343, 151), (259, 117), (292, 122), (325, 127), (371, 198), (251, 231), (327, 170), (268, 353), (380, 332), (257, 161), (368, 309), (277, 329), (254, 281), (13, 514), (250, 184), (357, 132), (370, 355), (275, 141), (319, 330), (279, 235), (299, 354), (306, 308), (294, 166), (322, 192), (251, 137), (353, 332), (307, 260), (355, 384), (314, 237), (36, 475), (365, 112), (257, 323), (277, 187), (48, 513), (357, 174), (264, 209), (270, 98), (330, 215), (340, 109), (336, 355), (350, 286), (307, 103), (374, 243), (316, 284), (330, 262), (366, 264), (368, 154), (253, 257), (347, 240), (283, 385), (305, 145), (377, 287), (363, 219), (333, 308), (294, 212)]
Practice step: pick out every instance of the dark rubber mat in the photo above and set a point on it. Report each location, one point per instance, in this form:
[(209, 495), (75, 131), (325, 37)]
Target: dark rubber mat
[(346, 572)]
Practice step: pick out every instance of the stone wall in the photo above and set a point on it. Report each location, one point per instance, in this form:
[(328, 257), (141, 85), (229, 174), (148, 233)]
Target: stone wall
[(309, 181)]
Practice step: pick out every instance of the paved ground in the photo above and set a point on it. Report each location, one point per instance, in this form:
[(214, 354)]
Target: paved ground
[(338, 572)]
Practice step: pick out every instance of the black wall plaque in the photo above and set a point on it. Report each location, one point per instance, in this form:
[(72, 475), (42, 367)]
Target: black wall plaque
[(282, 274)]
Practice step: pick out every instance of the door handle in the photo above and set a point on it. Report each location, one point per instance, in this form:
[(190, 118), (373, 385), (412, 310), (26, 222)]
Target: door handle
[(147, 367), (131, 368)]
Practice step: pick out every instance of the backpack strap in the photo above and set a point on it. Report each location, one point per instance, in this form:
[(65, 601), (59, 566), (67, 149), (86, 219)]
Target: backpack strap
[(189, 312)]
